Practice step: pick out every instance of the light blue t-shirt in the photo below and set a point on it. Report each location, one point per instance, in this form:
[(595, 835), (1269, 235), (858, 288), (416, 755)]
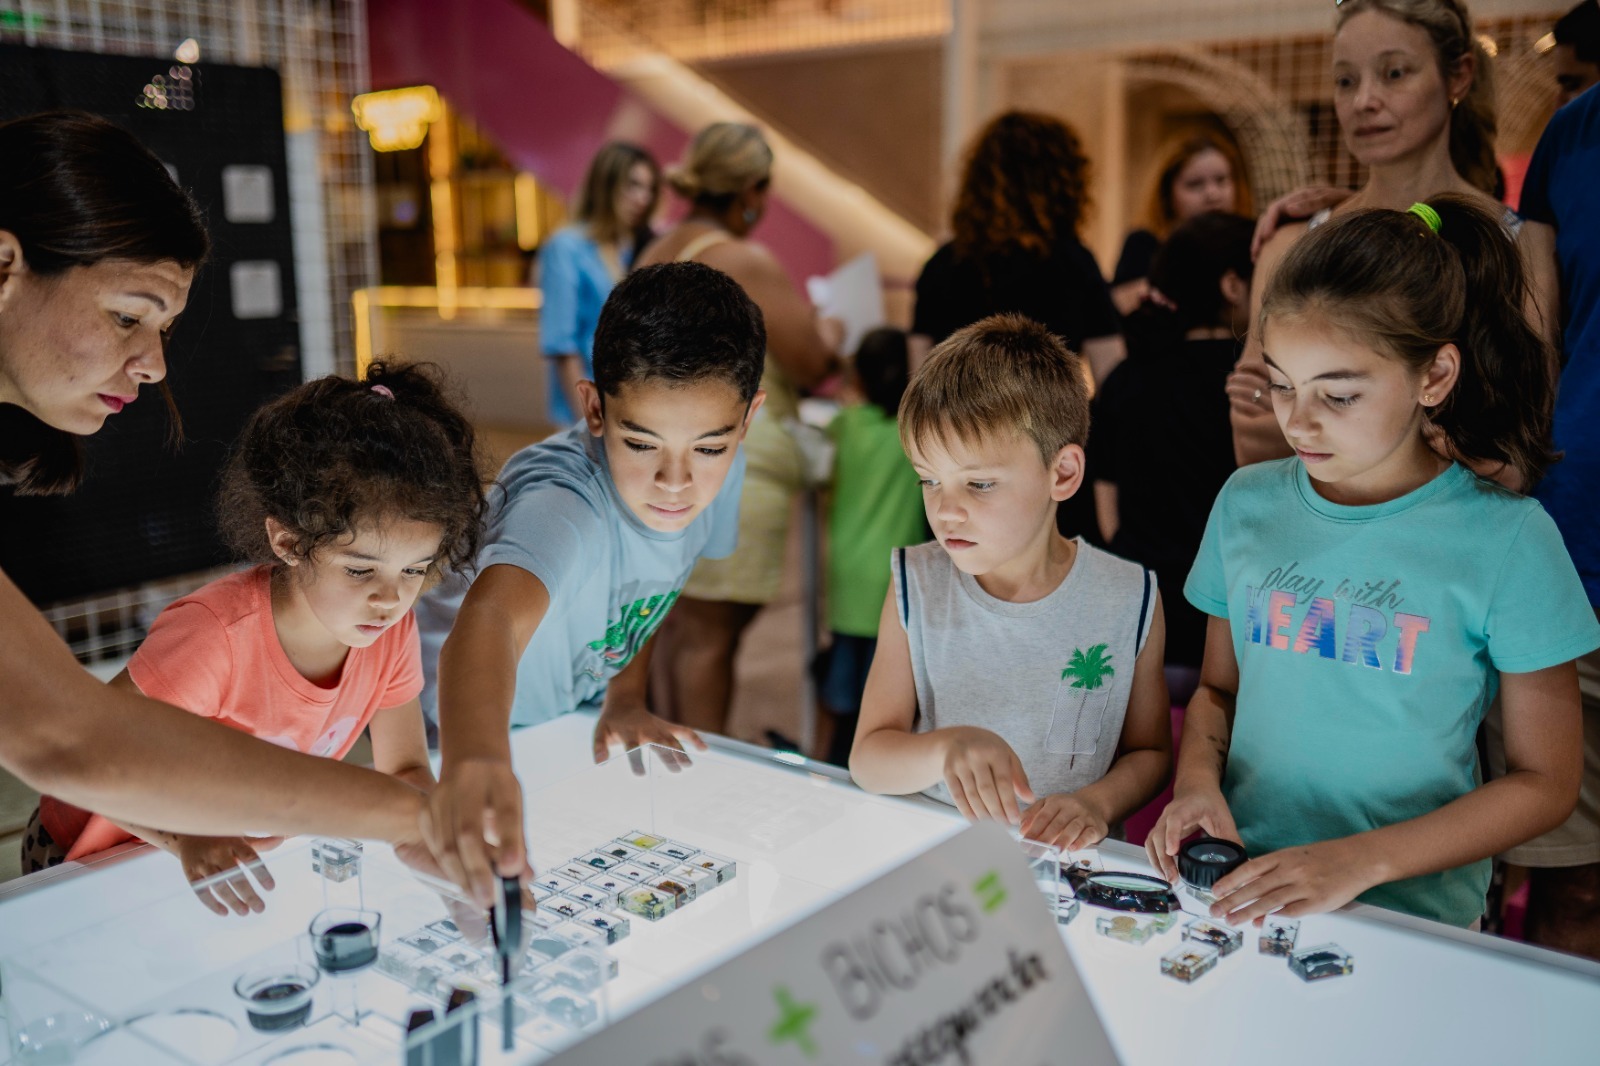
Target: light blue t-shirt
[(555, 513), (1370, 642), (574, 282)]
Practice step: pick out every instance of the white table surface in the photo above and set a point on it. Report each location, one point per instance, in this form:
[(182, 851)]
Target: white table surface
[(1420, 992)]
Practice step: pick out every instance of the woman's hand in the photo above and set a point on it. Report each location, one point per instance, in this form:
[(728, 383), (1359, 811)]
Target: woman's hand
[(1294, 882), (984, 775), (1064, 820), (207, 857), (1249, 390), (1293, 207), (1202, 809)]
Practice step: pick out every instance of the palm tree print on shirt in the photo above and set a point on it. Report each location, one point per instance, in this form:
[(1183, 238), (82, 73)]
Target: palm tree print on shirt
[(1089, 669)]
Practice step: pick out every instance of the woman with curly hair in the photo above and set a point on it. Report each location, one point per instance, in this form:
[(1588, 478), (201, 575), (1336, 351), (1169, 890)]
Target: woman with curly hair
[(1023, 195), (349, 496)]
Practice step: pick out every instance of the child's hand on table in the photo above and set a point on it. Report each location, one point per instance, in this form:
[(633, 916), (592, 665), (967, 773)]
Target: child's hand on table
[(1202, 809), (984, 775), (1294, 882), (633, 727), (1064, 820), (238, 857)]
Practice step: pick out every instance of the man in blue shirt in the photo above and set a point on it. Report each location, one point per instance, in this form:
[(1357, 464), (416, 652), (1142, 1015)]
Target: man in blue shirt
[(1561, 234)]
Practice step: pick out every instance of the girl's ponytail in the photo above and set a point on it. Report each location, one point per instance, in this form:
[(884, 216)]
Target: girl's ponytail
[(1406, 289), (1499, 410)]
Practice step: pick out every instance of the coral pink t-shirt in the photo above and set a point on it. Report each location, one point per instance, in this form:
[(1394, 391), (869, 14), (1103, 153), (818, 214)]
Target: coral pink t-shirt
[(216, 653)]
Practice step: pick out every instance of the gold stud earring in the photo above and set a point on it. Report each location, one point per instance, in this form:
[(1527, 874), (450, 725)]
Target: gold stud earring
[(1427, 398)]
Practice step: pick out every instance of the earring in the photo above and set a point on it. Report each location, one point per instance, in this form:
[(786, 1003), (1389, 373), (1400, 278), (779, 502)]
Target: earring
[(1427, 398), (750, 216)]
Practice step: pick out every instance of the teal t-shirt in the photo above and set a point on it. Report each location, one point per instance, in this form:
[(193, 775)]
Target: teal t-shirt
[(877, 507), (1370, 642)]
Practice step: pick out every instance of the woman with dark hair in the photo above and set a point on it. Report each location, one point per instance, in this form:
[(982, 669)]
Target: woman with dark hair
[(98, 249), (580, 263), (1198, 175), (1016, 219)]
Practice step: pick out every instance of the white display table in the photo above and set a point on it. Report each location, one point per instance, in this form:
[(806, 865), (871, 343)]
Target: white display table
[(802, 836)]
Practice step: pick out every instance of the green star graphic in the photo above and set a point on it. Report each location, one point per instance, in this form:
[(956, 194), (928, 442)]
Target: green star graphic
[(794, 1022)]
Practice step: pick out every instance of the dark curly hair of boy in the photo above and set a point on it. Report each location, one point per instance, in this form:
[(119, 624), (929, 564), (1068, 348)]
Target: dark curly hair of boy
[(335, 454)]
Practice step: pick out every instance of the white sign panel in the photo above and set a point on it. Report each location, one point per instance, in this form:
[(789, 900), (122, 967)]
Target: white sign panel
[(951, 959)]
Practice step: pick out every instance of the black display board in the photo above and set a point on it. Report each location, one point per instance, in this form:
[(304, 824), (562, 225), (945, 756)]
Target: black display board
[(145, 510)]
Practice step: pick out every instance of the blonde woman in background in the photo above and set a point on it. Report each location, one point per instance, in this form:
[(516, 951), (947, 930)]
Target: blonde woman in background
[(725, 178)]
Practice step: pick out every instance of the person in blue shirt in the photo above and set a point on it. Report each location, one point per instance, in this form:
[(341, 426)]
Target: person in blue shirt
[(1561, 234), (591, 536), (580, 263), (1369, 597)]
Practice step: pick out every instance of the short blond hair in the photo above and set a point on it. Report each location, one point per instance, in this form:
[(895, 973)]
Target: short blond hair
[(1002, 374)]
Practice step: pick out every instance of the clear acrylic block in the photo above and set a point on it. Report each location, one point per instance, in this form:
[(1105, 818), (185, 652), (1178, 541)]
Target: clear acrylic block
[(1189, 960), (1066, 908), (591, 895), (724, 869), (655, 861), (336, 859), (1224, 938), (1131, 928), (1321, 962), (632, 872), (648, 903), (1278, 935), (701, 881), (642, 840), (672, 849)]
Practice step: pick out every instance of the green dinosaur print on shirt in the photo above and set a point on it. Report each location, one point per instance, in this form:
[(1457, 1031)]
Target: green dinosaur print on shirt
[(1089, 669), (627, 635)]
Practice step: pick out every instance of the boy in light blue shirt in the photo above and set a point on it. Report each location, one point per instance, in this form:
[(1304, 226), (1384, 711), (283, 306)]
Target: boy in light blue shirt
[(592, 534)]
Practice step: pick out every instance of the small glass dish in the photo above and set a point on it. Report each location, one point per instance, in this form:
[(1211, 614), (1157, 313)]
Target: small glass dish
[(277, 997), (345, 939)]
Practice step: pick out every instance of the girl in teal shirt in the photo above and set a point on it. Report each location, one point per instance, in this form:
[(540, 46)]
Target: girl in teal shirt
[(1372, 595)]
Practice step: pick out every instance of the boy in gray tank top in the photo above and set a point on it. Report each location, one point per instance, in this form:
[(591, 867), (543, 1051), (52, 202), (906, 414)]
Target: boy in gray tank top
[(1018, 673)]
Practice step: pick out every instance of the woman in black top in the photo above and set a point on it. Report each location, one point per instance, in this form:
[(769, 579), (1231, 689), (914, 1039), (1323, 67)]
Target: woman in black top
[(1163, 445), (1016, 246), (1016, 249), (1199, 175)]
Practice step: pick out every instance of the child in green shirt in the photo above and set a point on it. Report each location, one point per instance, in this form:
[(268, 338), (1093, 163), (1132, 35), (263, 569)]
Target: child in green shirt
[(877, 507)]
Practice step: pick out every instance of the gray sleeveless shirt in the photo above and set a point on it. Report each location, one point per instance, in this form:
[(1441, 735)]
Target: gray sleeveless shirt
[(1051, 677)]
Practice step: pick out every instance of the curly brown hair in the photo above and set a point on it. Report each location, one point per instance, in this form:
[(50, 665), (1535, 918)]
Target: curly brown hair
[(1025, 187), (334, 454)]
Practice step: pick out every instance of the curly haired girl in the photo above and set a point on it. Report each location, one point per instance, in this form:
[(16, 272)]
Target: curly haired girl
[(348, 497)]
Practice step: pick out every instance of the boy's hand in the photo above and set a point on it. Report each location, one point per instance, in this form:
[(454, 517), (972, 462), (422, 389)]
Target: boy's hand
[(1203, 809), (633, 727), (1294, 881), (473, 826), (1064, 820), (984, 775), (204, 857)]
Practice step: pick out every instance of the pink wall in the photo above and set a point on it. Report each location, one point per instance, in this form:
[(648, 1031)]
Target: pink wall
[(548, 109)]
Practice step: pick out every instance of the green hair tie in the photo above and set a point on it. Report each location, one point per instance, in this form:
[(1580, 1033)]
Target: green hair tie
[(1428, 215)]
